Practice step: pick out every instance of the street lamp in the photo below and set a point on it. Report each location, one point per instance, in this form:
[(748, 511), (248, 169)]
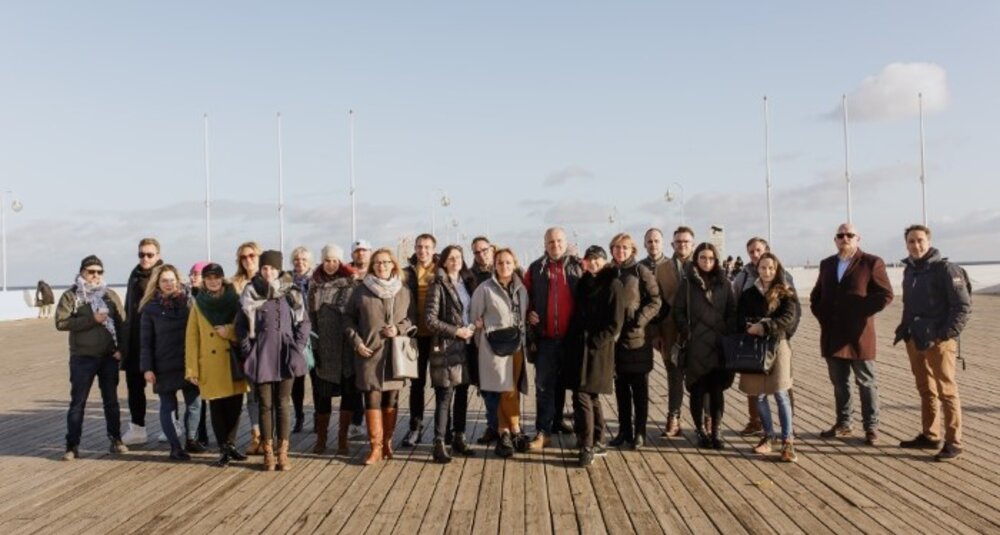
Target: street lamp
[(16, 206), (444, 201), (669, 197)]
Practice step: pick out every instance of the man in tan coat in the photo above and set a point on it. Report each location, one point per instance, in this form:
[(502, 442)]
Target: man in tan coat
[(669, 275)]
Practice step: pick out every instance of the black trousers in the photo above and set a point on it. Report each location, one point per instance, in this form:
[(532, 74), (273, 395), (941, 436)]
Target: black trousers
[(278, 396), (417, 401), (299, 396), (135, 382), (632, 391), (381, 399), (588, 418), (444, 416), (350, 399), (712, 385), (226, 418)]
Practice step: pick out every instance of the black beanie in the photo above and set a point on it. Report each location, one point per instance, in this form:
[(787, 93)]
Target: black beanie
[(271, 258), (212, 269), (91, 260)]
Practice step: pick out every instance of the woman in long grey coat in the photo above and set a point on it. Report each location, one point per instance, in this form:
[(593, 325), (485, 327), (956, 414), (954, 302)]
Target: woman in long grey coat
[(502, 302), (448, 300), (330, 291), (162, 334), (705, 311), (768, 308), (379, 310)]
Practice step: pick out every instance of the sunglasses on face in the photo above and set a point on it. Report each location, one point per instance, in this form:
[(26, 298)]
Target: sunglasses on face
[(146, 255), (95, 272), (848, 235), (248, 256)]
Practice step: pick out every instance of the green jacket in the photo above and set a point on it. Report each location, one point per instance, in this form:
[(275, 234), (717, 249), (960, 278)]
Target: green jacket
[(86, 336)]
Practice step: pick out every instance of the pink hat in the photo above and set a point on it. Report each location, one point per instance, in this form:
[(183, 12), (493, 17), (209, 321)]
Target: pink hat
[(197, 267)]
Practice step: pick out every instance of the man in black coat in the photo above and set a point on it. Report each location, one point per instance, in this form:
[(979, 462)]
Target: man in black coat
[(149, 258)]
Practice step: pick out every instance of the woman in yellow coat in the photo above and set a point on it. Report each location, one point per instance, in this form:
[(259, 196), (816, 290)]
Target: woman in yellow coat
[(210, 336)]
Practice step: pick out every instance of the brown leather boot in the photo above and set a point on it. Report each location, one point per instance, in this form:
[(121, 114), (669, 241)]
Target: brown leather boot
[(388, 429), (256, 447), (373, 418), (268, 449), (283, 463), (673, 427), (345, 424), (322, 422)]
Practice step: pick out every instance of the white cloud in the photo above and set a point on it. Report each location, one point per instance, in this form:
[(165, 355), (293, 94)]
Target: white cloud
[(892, 93), (572, 213), (563, 176)]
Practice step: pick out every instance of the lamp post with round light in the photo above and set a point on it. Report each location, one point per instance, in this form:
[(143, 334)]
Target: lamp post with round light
[(678, 194), (16, 206)]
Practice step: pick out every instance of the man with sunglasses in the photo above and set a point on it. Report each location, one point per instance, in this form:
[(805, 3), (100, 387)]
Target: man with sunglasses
[(149, 258), (93, 315), (851, 288)]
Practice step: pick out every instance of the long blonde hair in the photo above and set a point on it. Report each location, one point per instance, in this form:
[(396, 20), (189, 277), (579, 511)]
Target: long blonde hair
[(153, 285), (241, 277)]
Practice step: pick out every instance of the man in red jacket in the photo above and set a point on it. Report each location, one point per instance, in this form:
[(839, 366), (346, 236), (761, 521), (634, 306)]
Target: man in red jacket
[(851, 288)]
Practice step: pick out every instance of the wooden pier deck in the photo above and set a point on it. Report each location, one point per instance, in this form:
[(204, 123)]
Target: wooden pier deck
[(838, 486)]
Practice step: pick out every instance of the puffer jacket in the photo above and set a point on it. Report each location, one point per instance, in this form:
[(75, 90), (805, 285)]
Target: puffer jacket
[(450, 356), (162, 341), (703, 317), (641, 299)]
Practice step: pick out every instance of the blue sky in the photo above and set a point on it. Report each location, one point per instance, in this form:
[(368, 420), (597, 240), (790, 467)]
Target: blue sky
[(525, 115)]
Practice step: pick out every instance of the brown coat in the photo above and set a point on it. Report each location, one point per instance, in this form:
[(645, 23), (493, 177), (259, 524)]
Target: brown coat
[(366, 314), (846, 309), (669, 280)]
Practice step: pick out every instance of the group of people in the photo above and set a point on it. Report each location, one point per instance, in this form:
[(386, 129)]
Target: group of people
[(589, 325)]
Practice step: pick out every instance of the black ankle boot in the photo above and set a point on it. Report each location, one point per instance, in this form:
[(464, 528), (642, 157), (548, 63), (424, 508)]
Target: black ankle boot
[(716, 436), (703, 440), (460, 447), (234, 453), (178, 454), (440, 453), (224, 458)]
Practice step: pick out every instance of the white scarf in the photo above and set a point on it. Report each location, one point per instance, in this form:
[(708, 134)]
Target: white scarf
[(383, 288), (94, 296), (250, 301)]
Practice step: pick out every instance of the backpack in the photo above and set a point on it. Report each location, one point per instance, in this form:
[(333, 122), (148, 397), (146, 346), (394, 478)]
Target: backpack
[(968, 288)]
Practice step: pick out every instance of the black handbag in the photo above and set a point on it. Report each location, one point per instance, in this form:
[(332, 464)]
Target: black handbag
[(746, 353), (236, 363), (504, 342)]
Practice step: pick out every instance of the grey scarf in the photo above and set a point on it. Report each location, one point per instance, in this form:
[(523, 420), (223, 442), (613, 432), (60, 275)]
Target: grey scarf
[(251, 300), (383, 288), (94, 296)]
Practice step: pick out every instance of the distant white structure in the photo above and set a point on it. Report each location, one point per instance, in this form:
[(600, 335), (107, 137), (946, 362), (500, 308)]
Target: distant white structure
[(717, 237)]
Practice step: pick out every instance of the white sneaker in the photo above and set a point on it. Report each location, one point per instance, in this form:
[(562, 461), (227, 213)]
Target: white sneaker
[(136, 434)]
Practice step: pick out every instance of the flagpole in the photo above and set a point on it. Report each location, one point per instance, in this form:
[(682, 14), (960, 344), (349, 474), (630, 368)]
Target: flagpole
[(208, 198), (767, 169), (281, 193), (923, 173), (354, 213), (847, 162)]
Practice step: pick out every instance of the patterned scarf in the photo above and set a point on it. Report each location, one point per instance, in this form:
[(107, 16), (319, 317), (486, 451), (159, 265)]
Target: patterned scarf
[(383, 288), (92, 295)]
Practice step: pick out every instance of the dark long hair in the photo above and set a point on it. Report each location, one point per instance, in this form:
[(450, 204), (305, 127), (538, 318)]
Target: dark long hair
[(443, 257), (716, 272)]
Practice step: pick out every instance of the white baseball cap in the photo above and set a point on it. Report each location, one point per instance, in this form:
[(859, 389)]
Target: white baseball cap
[(361, 244)]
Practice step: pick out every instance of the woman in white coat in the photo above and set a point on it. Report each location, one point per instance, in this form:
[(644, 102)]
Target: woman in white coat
[(497, 304)]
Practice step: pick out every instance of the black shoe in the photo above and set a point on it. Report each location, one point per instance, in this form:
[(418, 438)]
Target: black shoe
[(920, 443), (600, 450), (440, 454), (562, 427), (521, 443), (948, 453), (234, 453), (297, 428), (412, 438), (703, 441), (505, 446), (117, 446), (839, 430), (619, 441), (223, 459), (640, 441), (460, 447), (488, 437), (178, 454), (717, 443), (193, 446), (586, 457)]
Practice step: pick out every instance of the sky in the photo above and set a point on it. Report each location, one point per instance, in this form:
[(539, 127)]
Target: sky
[(524, 114)]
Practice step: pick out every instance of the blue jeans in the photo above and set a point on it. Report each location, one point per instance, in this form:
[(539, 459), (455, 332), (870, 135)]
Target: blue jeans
[(192, 406), (864, 376), (784, 414), (550, 396), (492, 402), (82, 371)]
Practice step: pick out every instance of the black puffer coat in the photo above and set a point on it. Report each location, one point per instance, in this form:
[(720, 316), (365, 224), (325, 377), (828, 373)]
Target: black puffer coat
[(641, 299), (598, 316), (161, 341), (703, 317), (450, 356)]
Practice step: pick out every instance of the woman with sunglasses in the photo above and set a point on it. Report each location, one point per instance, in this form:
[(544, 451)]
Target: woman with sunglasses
[(704, 310), (247, 264)]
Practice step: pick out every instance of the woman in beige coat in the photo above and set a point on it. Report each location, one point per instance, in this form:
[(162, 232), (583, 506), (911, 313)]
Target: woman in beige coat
[(208, 365), (768, 308)]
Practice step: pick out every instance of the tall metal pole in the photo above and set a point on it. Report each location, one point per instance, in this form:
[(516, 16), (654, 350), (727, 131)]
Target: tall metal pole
[(923, 173), (281, 194), (3, 233), (767, 168), (847, 162), (208, 199), (354, 213)]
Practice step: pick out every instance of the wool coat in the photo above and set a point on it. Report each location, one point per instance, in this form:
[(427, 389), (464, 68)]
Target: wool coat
[(277, 351), (206, 357), (846, 308), (332, 349), (597, 324), (496, 306), (641, 299), (449, 359), (366, 315), (752, 308), (162, 340), (703, 321), (668, 278)]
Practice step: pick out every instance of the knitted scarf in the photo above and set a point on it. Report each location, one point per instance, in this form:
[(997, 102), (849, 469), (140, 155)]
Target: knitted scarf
[(220, 308), (94, 296), (383, 288), (260, 291)]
